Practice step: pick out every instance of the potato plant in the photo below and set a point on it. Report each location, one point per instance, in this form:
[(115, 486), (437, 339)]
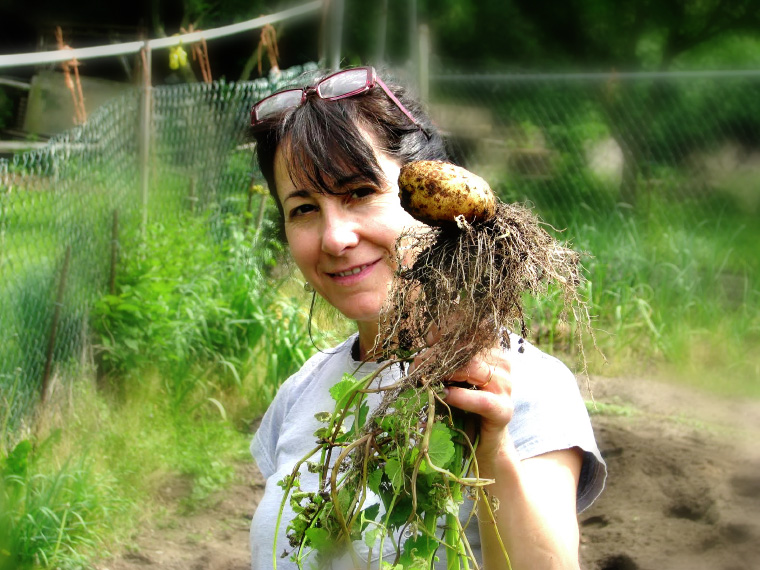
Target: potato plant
[(465, 274)]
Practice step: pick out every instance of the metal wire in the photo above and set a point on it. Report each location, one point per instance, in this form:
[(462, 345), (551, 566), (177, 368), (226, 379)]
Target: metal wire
[(555, 141), (598, 139), (64, 198)]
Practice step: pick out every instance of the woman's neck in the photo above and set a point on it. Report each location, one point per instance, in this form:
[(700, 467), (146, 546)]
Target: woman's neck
[(367, 336)]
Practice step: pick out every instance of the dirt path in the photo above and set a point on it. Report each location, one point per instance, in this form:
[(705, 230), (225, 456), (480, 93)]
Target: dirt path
[(683, 492), (213, 539), (684, 481)]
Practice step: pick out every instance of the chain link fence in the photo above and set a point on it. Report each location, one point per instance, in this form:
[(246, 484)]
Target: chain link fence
[(64, 208), (602, 140), (651, 143)]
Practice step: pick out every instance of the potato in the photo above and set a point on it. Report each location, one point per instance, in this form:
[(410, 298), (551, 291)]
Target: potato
[(437, 192)]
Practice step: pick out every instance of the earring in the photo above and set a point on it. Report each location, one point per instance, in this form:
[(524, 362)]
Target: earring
[(308, 287)]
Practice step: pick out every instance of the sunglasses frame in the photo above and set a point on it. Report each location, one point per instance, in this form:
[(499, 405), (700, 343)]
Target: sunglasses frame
[(371, 81)]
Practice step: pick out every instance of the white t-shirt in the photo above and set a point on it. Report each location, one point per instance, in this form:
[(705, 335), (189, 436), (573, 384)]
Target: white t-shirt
[(549, 415)]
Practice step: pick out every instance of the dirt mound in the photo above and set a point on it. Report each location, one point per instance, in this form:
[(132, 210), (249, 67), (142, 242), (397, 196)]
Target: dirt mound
[(683, 491), (684, 481)]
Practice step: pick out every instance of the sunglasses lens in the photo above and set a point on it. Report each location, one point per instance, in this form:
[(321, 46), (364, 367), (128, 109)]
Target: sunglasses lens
[(344, 83), (277, 103)]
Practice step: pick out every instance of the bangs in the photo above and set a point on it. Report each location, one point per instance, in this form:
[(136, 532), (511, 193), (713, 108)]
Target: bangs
[(323, 143)]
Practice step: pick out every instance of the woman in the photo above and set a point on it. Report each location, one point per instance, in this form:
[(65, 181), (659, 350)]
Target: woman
[(331, 154)]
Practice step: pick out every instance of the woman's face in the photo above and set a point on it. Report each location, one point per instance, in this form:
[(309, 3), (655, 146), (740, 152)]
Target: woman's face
[(344, 243)]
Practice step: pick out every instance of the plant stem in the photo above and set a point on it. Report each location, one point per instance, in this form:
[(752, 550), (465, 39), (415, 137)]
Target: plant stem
[(484, 501), (286, 492), (334, 495)]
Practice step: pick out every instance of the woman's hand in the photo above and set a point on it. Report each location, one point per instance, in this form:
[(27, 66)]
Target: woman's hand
[(490, 375), (539, 528), (489, 396)]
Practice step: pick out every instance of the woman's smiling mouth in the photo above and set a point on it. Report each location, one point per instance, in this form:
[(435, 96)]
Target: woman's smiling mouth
[(353, 271)]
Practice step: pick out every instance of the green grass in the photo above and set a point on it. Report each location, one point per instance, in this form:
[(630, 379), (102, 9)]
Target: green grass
[(200, 333), (674, 292), (54, 511), (192, 347)]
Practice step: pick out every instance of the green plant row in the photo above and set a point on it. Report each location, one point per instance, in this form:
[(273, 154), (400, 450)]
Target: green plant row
[(191, 346), (674, 290)]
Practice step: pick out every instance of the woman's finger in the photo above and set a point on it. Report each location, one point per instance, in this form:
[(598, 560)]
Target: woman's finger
[(491, 371), (478, 372), (494, 409)]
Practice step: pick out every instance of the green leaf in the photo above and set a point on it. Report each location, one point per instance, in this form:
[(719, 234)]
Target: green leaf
[(363, 412), (395, 473), (441, 448), (370, 537), (129, 308), (370, 514), (341, 391), (417, 552), (374, 479), (319, 538), (17, 461)]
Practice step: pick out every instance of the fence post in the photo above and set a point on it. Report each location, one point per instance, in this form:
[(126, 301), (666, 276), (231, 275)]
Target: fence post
[(145, 129), (414, 56), (262, 210), (336, 32), (382, 32), (54, 325), (192, 198), (114, 252)]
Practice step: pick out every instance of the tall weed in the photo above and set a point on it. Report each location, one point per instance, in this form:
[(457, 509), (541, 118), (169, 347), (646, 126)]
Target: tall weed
[(199, 303), (674, 290), (52, 516)]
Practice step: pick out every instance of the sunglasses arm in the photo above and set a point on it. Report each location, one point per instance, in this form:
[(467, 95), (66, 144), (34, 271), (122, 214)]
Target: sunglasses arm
[(393, 98)]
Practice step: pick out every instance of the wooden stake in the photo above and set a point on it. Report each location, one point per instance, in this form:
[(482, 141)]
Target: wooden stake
[(248, 210), (423, 69), (336, 32), (262, 209), (192, 198)]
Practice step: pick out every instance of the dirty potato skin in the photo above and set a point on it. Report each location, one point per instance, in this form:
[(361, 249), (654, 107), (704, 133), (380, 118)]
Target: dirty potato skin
[(437, 192)]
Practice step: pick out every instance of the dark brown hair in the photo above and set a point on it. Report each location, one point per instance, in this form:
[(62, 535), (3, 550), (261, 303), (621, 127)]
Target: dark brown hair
[(324, 140)]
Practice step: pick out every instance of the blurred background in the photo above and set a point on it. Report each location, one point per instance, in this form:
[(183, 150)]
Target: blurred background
[(141, 282)]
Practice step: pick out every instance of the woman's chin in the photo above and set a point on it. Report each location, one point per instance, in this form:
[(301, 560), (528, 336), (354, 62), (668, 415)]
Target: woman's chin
[(368, 315)]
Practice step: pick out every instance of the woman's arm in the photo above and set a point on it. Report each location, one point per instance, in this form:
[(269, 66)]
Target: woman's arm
[(536, 518)]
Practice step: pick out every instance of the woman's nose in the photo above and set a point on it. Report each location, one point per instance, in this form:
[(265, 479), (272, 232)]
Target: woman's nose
[(339, 234)]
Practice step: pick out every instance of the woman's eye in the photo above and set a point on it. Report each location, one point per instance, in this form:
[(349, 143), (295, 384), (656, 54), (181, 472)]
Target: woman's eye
[(359, 193), (301, 210)]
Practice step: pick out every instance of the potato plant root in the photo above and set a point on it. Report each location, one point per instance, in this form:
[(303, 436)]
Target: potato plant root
[(468, 283)]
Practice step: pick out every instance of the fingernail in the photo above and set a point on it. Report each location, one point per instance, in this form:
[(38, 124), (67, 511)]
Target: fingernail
[(445, 392)]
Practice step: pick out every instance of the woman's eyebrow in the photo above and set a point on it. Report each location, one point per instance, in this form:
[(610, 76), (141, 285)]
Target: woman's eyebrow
[(340, 183), (352, 178), (301, 193)]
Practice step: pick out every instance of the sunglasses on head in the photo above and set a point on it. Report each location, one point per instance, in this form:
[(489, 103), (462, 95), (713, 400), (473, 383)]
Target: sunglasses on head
[(339, 85)]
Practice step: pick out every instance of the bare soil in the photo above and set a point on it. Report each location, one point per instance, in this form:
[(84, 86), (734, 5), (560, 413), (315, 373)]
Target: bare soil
[(683, 491)]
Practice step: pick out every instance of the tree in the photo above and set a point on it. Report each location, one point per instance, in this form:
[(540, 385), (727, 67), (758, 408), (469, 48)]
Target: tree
[(605, 35)]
